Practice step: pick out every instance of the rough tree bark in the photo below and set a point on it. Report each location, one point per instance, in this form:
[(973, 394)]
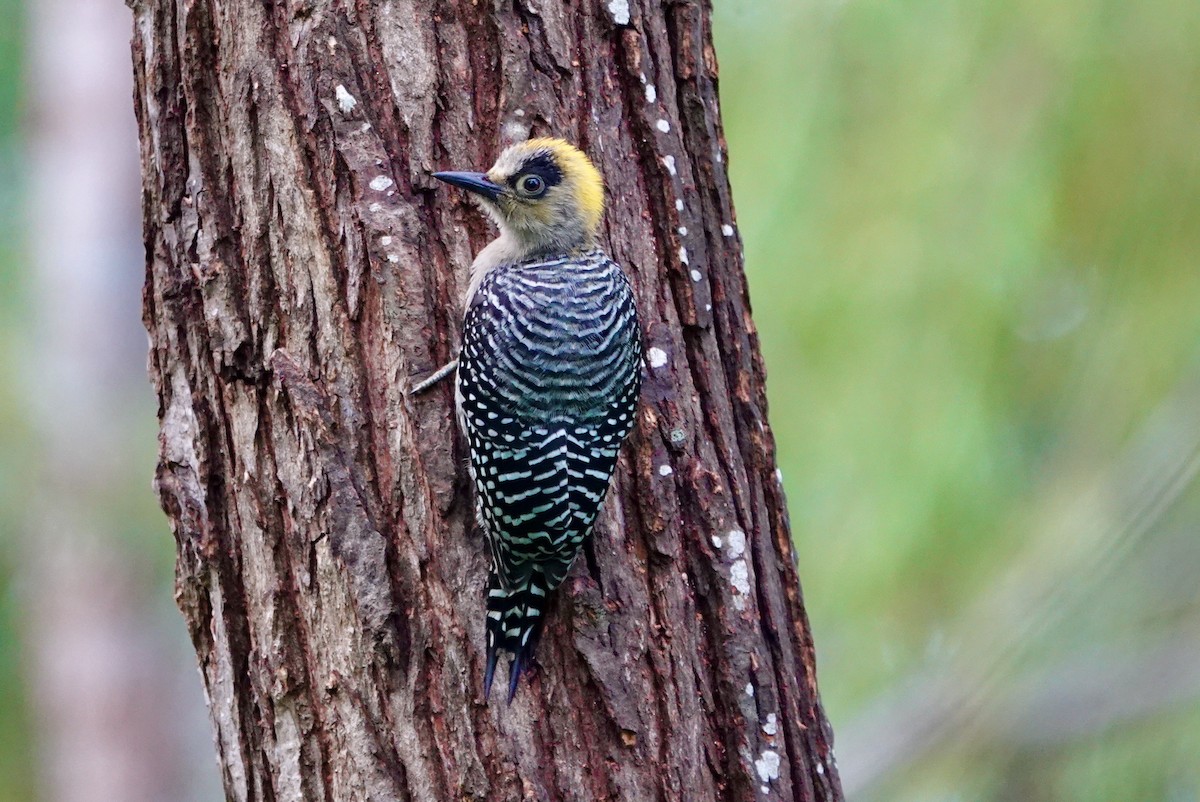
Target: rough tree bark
[(303, 270)]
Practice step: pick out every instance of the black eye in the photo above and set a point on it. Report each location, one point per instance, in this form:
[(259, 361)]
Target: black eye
[(532, 184)]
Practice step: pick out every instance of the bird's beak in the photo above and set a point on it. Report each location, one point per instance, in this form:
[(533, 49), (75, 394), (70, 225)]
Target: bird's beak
[(472, 182)]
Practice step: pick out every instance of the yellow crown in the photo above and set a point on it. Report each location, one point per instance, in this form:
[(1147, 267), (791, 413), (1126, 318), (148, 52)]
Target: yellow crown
[(578, 172)]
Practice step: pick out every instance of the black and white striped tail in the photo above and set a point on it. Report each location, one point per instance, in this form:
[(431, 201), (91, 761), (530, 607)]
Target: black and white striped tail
[(514, 624)]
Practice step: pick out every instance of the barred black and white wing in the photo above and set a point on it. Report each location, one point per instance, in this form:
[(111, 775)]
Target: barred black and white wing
[(548, 384)]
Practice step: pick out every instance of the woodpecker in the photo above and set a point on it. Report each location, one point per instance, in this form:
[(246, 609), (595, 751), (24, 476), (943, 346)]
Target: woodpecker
[(548, 380)]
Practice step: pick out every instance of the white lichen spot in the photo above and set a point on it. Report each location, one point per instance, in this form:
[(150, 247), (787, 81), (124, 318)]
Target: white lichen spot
[(663, 126), (519, 113), (345, 100), (679, 204), (364, 128), (727, 230), (821, 769), (764, 789), (683, 259), (657, 357), (708, 307), (682, 231), (669, 161), (737, 543), (696, 276), (750, 689), (739, 577), (380, 182), (717, 542), (651, 93), (385, 240), (771, 725), (767, 766), (393, 258), (665, 470), (779, 475), (620, 11), (374, 208), (515, 131)]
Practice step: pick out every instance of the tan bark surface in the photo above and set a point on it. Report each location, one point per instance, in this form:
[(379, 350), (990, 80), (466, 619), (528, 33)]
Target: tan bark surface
[(303, 270)]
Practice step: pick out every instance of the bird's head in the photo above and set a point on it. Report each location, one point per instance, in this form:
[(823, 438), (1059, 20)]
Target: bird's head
[(544, 193)]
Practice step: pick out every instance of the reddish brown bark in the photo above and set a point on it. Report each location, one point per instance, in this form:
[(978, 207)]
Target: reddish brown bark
[(303, 269)]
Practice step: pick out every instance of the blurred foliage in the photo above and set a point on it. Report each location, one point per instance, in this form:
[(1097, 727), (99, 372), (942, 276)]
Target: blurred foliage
[(973, 238), (973, 243), (17, 767)]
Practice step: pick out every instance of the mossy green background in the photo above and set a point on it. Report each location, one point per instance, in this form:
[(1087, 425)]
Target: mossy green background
[(16, 749), (972, 233), (973, 238)]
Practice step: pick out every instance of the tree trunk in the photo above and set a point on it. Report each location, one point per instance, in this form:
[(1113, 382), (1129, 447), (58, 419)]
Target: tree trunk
[(303, 270)]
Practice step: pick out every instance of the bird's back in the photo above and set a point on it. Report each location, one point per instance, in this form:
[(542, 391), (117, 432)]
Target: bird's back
[(553, 337), (548, 383)]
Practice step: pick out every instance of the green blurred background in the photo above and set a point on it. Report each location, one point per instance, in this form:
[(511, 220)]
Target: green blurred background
[(973, 237)]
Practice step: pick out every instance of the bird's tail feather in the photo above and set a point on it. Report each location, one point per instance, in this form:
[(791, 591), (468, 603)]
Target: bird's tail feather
[(514, 624)]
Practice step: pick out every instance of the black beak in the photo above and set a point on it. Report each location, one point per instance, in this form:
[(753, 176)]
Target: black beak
[(472, 182)]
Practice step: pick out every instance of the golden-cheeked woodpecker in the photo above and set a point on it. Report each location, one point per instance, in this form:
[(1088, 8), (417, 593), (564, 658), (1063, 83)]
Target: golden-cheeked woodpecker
[(548, 379)]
